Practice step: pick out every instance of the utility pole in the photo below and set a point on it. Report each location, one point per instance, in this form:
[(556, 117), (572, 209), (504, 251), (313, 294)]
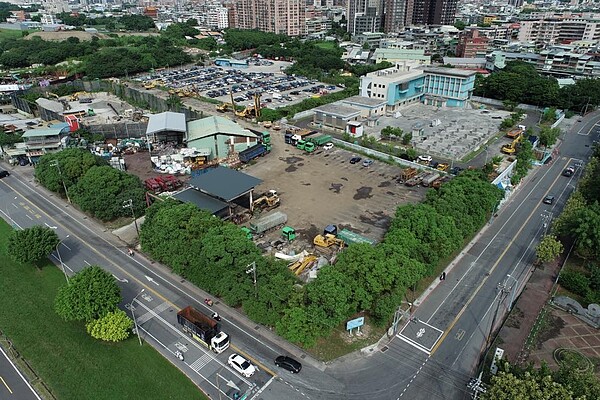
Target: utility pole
[(253, 272), (57, 165), (129, 204), (546, 218)]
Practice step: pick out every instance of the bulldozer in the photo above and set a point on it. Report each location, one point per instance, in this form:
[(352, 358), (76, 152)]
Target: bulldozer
[(328, 240), (267, 201)]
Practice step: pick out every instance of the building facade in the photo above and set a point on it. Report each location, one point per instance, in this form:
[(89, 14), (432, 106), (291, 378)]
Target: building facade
[(277, 16), (433, 12), (471, 44), (364, 16)]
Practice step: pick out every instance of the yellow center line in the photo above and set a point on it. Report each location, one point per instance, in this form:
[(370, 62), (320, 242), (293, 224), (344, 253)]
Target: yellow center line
[(140, 282), (5, 384), (459, 315)]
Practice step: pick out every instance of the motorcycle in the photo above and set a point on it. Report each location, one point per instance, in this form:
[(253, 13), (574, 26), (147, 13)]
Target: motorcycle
[(208, 302), (179, 355), (216, 317), (130, 252)]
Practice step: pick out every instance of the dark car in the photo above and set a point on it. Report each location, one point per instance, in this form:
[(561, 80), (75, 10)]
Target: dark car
[(4, 173), (354, 160), (288, 363), (456, 170), (549, 199)]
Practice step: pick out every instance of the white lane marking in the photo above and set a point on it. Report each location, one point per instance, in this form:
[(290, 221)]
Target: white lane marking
[(155, 311), (21, 375), (264, 387), (201, 362)]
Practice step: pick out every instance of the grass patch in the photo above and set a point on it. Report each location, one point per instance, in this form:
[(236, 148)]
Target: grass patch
[(338, 343), (10, 34), (325, 45), (69, 361)]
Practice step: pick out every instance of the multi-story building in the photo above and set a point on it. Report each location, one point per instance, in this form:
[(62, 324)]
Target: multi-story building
[(405, 83), (558, 30), (413, 56), (395, 15), (364, 16), (561, 61), (470, 44), (277, 16), (432, 12)]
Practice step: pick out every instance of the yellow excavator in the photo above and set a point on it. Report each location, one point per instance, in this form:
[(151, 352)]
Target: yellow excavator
[(76, 96), (299, 266), (328, 240), (267, 201), (252, 111), (512, 147), (227, 106)]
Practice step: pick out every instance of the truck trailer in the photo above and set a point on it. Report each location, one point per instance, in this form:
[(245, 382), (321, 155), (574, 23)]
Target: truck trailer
[(320, 140), (268, 222), (204, 329), (350, 237), (253, 152)]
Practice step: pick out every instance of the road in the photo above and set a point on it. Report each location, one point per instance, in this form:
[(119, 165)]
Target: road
[(13, 384), (432, 356)]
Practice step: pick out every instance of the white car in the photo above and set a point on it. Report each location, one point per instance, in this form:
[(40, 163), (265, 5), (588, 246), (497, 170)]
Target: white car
[(241, 365), (425, 159), (328, 146)]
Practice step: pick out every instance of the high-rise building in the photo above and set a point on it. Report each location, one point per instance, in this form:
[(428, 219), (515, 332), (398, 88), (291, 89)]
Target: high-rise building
[(364, 16), (395, 15), (432, 12), (470, 44), (277, 16)]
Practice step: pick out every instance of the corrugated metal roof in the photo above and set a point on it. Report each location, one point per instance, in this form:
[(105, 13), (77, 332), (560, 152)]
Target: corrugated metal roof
[(166, 121), (201, 200), (214, 125), (224, 183), (53, 130)]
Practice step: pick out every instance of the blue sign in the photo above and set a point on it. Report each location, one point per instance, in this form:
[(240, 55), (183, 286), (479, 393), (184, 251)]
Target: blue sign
[(355, 323)]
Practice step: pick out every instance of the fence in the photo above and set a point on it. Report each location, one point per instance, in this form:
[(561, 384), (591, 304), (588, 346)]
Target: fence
[(34, 380)]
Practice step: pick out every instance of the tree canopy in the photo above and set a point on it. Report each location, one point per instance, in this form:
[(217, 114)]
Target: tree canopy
[(115, 326), (90, 294), (31, 244)]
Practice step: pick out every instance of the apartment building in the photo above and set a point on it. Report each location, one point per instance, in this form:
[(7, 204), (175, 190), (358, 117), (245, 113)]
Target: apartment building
[(364, 16), (471, 44), (431, 12), (277, 16), (558, 30)]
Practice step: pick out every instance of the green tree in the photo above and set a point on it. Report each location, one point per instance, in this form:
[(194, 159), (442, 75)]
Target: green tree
[(112, 327), (548, 249), (7, 140), (103, 190), (548, 136), (31, 244), (589, 185), (460, 25), (506, 386), (90, 294), (406, 138)]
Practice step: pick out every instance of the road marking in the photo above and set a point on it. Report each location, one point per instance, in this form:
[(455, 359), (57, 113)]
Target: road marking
[(29, 216), (20, 374), (489, 274), (87, 263), (265, 386), (151, 280), (413, 378), (155, 311), (120, 280), (460, 334), (201, 362), (5, 384)]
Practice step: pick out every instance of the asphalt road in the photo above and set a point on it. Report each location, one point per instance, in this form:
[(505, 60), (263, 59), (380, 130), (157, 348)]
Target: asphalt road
[(12, 384), (432, 356)]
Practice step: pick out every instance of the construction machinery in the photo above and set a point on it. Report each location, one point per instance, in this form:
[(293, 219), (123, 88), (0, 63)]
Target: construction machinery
[(512, 147), (223, 107), (252, 111), (328, 240), (299, 266), (516, 132), (442, 167), (76, 96), (267, 201)]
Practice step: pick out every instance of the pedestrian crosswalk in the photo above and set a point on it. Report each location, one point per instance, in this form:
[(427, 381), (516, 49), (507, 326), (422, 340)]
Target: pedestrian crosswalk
[(201, 362), (156, 310)]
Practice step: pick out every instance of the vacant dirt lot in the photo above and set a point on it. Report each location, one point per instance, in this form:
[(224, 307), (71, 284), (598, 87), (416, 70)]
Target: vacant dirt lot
[(324, 188)]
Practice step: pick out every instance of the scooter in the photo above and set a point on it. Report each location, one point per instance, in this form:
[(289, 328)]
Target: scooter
[(208, 302), (179, 355), (216, 317), (130, 252)]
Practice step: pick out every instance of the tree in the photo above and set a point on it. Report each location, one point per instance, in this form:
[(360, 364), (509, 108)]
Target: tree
[(406, 138), (90, 294), (507, 386), (460, 25), (548, 249), (31, 244), (73, 164), (113, 327), (103, 190), (548, 136)]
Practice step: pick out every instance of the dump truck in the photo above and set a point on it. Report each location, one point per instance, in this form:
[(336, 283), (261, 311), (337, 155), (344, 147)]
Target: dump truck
[(267, 222), (203, 329), (320, 140), (415, 180), (252, 153), (350, 237), (309, 147), (289, 138), (514, 133), (301, 144), (263, 137), (429, 179)]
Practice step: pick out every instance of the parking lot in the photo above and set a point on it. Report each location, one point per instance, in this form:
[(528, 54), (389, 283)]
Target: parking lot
[(324, 188), (262, 77)]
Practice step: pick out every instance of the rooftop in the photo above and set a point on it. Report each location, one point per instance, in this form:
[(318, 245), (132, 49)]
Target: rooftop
[(224, 183), (364, 101), (201, 200), (214, 125), (338, 110), (449, 71), (53, 130), (166, 121)]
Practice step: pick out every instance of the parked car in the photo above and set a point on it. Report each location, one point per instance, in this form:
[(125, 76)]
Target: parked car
[(241, 365), (456, 170), (355, 159), (549, 199), (288, 363), (424, 159), (569, 171), (367, 163), (4, 173), (328, 146)]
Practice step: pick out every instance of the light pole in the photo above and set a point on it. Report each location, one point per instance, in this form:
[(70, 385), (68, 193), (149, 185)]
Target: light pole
[(57, 165), (137, 329), (514, 289), (62, 265), (486, 155), (129, 204), (6, 205), (253, 272)]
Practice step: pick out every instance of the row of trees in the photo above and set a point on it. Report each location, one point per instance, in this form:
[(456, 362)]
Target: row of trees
[(91, 295), (215, 256), (91, 183), (138, 23), (519, 82)]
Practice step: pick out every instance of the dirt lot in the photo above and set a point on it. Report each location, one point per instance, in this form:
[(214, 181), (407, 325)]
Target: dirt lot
[(324, 188)]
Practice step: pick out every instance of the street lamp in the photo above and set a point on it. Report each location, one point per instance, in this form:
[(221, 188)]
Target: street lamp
[(62, 265), (129, 204), (253, 272), (514, 288), (137, 329), (57, 165)]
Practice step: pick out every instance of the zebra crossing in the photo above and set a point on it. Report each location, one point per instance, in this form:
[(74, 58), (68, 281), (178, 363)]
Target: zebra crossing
[(201, 362), (156, 310)]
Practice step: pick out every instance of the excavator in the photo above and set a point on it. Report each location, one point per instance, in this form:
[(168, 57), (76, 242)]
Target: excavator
[(252, 111), (267, 201), (328, 240), (511, 148), (223, 107), (76, 96)]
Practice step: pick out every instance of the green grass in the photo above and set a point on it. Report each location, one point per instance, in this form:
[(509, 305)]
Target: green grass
[(68, 360), (326, 45), (10, 34)]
